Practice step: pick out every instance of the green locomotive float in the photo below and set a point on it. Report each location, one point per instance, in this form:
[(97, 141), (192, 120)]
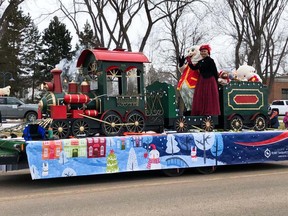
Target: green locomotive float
[(112, 99)]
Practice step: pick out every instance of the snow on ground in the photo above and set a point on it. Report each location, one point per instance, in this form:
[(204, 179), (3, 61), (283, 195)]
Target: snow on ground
[(10, 123)]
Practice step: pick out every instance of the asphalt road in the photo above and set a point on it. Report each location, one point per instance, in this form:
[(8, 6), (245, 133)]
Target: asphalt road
[(259, 189)]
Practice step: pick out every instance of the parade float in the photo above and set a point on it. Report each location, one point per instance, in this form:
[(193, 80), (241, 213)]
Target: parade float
[(109, 122)]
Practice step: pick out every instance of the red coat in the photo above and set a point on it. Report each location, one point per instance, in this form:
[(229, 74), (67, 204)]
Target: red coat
[(189, 76)]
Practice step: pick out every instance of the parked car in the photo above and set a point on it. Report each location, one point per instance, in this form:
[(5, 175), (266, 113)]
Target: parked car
[(280, 105), (13, 108)]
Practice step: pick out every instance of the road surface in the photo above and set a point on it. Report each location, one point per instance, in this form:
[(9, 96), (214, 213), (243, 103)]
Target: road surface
[(258, 190)]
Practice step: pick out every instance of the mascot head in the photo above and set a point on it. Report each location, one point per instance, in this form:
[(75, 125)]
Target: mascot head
[(194, 54)]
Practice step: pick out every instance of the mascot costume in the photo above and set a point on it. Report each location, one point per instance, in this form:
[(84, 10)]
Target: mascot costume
[(189, 77)]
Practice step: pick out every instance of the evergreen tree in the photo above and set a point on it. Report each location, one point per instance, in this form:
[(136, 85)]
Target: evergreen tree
[(171, 145), (10, 48), (132, 163), (30, 57), (86, 37), (6, 8), (56, 45), (112, 163)]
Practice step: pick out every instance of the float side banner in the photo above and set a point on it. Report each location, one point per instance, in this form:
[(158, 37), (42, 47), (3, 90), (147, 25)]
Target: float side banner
[(101, 155), (254, 147)]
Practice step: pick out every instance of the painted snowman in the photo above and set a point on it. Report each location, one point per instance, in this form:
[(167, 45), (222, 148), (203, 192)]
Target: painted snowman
[(154, 159)]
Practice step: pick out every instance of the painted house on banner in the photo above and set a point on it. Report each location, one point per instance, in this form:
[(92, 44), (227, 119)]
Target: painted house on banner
[(51, 149), (75, 147), (96, 147)]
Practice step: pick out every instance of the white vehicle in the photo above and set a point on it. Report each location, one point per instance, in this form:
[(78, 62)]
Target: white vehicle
[(280, 105)]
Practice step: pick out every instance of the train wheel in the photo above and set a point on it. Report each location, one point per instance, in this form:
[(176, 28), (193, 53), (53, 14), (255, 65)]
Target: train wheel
[(80, 128), (181, 125), (136, 122), (208, 124), (60, 128), (236, 123), (112, 124), (260, 123)]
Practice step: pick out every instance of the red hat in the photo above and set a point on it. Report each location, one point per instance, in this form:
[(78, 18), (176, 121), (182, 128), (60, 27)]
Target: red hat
[(153, 146), (205, 46)]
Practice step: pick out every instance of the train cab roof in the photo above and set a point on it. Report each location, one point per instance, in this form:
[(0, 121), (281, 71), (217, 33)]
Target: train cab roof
[(116, 55)]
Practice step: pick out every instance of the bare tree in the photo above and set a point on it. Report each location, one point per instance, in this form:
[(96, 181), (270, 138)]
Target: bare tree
[(110, 19), (258, 34), (275, 50), (114, 21), (181, 30)]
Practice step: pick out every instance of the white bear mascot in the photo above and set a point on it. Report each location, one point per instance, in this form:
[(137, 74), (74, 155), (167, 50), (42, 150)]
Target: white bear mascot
[(247, 73), (189, 77)]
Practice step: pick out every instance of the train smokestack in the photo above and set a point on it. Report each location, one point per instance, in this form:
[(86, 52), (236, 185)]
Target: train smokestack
[(57, 80), (72, 87), (85, 87)]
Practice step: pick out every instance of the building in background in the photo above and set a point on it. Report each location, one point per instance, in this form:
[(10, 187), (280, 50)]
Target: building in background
[(279, 90)]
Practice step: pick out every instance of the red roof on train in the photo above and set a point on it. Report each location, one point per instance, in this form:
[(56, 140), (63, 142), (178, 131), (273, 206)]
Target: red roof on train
[(119, 55)]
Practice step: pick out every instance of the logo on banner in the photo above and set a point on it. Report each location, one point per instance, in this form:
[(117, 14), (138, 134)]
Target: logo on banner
[(267, 153)]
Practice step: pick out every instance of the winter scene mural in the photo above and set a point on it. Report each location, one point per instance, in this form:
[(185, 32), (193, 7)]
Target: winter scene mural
[(100, 155)]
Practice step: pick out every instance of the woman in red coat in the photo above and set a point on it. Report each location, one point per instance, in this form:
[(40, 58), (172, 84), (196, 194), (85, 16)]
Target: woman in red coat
[(206, 95)]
